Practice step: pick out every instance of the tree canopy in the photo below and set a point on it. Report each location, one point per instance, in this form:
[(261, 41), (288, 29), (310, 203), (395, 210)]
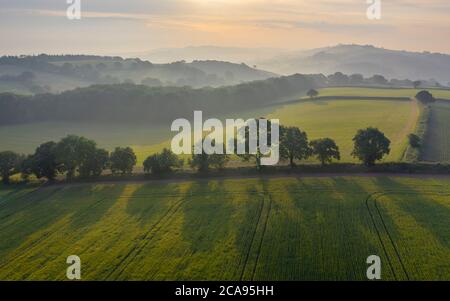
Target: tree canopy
[(425, 97), (370, 145), (9, 164), (163, 162), (123, 160), (293, 144), (325, 150)]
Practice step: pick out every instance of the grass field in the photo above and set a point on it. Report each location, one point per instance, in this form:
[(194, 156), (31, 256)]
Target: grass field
[(335, 119), (142, 137), (437, 139), (271, 229), (338, 119), (341, 119), (381, 92), (145, 139)]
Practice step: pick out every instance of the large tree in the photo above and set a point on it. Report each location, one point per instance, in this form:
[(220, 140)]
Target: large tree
[(370, 145), (312, 93), (72, 151), (325, 150), (293, 144), (163, 162), (94, 164), (43, 163), (425, 97), (203, 161), (248, 140), (9, 165), (123, 159)]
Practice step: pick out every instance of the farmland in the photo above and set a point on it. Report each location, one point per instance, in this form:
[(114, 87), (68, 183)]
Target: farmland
[(336, 119), (437, 142), (143, 138), (341, 119), (260, 229), (381, 92)]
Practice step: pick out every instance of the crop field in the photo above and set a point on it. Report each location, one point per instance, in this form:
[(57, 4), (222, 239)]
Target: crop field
[(437, 140), (341, 119), (288, 228)]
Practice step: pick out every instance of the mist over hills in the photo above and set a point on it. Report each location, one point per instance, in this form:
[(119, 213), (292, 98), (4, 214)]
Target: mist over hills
[(53, 74), (193, 53), (210, 66), (349, 59), (366, 60)]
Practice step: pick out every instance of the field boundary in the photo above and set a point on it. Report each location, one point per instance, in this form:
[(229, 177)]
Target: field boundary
[(337, 98)]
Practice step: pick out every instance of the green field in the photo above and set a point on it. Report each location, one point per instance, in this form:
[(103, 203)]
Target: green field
[(437, 139), (337, 119), (341, 119), (144, 138), (381, 92), (252, 229)]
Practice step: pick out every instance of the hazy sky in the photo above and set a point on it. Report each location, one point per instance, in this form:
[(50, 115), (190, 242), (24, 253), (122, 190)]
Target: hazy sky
[(121, 26)]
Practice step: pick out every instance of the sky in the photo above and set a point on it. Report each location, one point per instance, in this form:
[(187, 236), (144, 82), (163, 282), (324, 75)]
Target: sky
[(113, 27)]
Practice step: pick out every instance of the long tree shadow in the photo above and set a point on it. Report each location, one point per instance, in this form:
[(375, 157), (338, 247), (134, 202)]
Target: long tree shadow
[(207, 215), (322, 231), (417, 201), (150, 201), (34, 223)]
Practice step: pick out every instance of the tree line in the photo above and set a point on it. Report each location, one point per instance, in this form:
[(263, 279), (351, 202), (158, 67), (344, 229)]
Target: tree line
[(137, 103), (75, 156)]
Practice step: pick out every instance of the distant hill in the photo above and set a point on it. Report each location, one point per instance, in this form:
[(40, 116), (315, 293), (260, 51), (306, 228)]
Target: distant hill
[(45, 73), (349, 59), (193, 53), (366, 60)]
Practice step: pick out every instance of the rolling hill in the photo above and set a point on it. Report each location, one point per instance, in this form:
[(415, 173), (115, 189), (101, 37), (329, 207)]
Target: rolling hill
[(366, 60), (60, 73)]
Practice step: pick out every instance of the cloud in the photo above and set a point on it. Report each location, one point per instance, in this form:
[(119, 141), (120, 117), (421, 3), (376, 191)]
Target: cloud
[(168, 23)]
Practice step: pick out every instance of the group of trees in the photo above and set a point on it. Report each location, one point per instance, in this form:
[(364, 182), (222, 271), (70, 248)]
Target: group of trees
[(341, 79), (370, 145), (137, 103), (74, 155)]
